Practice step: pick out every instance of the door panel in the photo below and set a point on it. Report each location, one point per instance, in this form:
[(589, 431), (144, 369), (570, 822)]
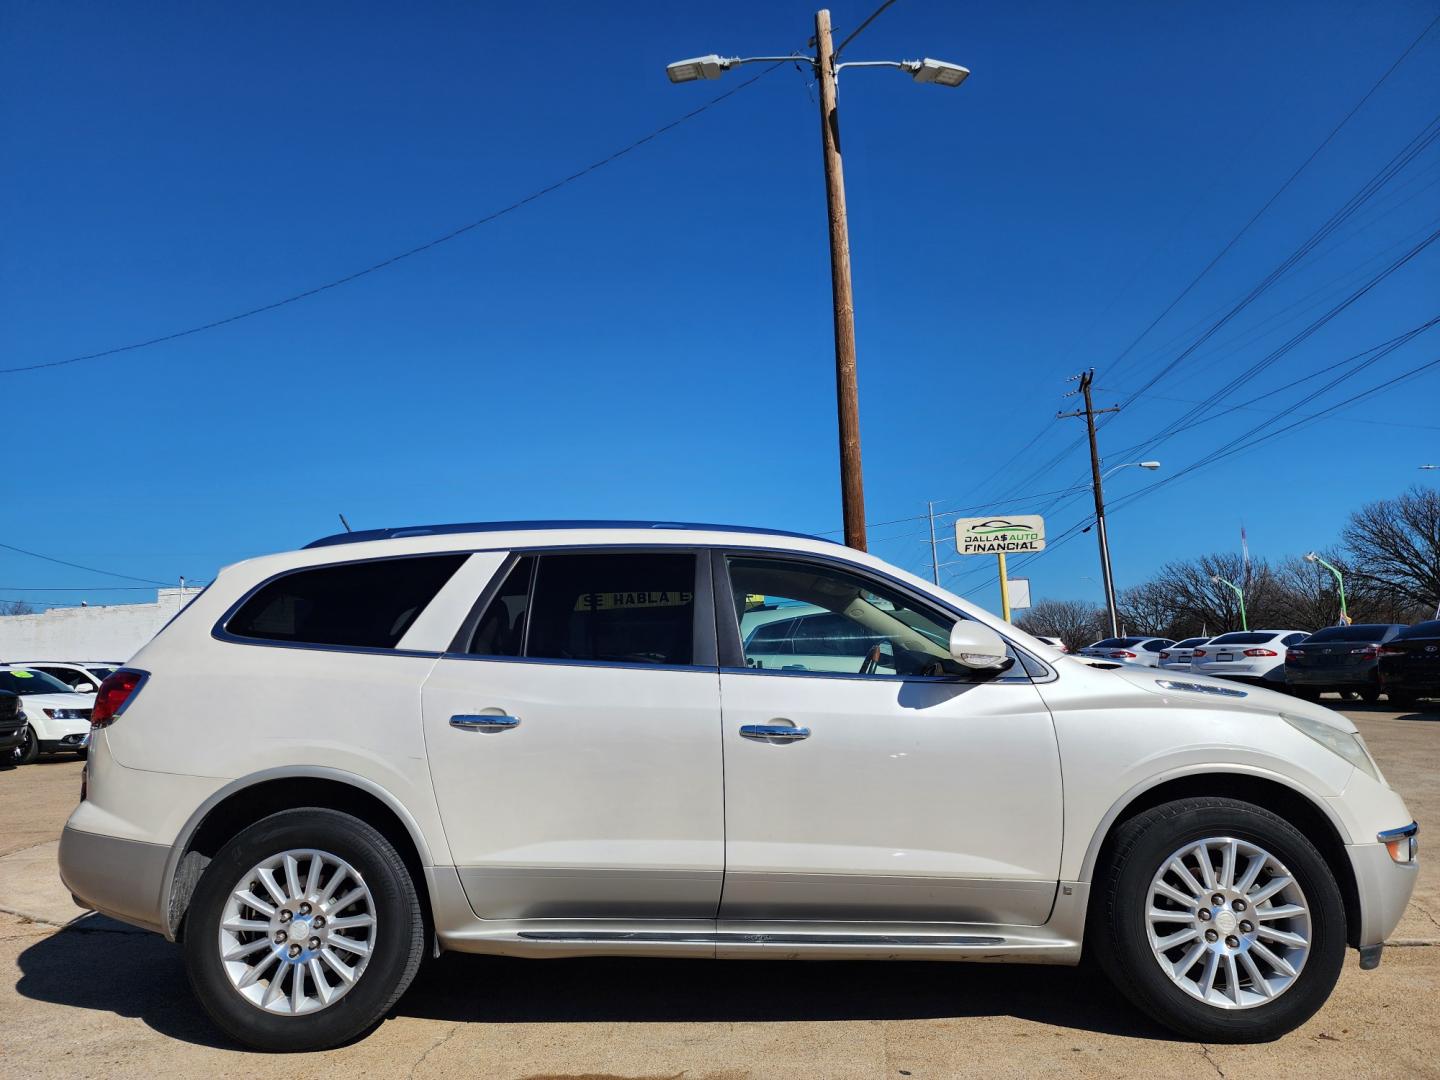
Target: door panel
[(918, 799), (604, 801)]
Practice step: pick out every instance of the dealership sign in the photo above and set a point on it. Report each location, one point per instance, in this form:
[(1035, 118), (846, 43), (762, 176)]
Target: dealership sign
[(1000, 535)]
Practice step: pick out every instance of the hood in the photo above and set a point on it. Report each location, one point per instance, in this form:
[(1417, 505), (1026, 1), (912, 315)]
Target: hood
[(1183, 689)]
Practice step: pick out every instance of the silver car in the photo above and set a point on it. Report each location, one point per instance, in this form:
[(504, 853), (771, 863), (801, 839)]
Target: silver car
[(1178, 656)]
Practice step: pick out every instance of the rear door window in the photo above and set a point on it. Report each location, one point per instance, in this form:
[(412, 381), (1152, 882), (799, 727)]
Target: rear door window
[(625, 608), (357, 605)]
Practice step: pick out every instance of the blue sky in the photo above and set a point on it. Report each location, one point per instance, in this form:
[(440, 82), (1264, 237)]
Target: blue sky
[(654, 340)]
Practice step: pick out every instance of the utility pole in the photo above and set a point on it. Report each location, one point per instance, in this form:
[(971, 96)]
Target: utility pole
[(934, 549), (847, 393), (1090, 412), (827, 67)]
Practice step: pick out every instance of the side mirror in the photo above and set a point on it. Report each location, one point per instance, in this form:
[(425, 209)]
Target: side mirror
[(975, 645), (84, 688)]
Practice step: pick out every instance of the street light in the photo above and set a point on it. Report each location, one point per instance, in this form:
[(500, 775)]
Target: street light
[(1430, 466), (1312, 557), (1239, 592), (827, 69)]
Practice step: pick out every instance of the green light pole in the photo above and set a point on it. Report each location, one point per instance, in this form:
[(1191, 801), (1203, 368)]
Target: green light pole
[(1312, 557), (1239, 592)]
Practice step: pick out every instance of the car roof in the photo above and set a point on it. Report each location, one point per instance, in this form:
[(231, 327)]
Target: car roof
[(452, 528)]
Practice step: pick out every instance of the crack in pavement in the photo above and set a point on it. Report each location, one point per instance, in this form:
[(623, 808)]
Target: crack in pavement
[(1425, 911), (1205, 1053), (27, 917), (454, 1028)]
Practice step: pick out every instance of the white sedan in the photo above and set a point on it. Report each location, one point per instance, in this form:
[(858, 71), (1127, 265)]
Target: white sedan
[(1178, 656), (1255, 656), (1144, 651)]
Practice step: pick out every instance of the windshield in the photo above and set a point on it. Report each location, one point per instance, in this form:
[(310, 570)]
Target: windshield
[(1190, 642), (1117, 643), (24, 681), (103, 672), (1243, 638), (1363, 632)]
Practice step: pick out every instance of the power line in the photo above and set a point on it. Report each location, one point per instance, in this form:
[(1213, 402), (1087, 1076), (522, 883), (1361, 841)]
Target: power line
[(393, 259), (1280, 190), (89, 569), (856, 32)]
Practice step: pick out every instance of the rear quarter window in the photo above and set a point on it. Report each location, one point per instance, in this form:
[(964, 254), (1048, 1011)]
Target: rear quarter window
[(359, 605)]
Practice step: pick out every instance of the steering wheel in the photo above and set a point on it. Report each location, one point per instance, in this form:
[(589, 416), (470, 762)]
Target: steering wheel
[(871, 661)]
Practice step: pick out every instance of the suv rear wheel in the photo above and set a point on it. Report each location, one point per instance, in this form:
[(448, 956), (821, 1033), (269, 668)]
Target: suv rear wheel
[(1220, 920), (304, 931)]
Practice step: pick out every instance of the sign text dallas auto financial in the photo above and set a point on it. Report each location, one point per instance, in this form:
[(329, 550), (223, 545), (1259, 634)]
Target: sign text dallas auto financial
[(1000, 535)]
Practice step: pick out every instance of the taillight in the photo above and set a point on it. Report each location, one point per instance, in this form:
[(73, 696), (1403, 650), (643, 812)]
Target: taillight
[(1391, 650), (1197, 652), (114, 695), (1121, 654), (1261, 652), (1368, 650), (1164, 656), (1294, 656)]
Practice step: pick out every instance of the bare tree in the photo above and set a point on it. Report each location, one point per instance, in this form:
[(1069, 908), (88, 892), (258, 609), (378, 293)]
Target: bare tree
[(1074, 622), (15, 607), (1395, 546)]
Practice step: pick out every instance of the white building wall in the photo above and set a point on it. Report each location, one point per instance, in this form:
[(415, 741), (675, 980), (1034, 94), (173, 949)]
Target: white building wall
[(113, 632)]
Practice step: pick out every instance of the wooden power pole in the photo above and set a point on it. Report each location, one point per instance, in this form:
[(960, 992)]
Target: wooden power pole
[(1089, 413), (847, 395)]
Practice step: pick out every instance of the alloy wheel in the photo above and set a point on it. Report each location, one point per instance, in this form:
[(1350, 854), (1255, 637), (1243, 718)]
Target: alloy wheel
[(1228, 923), (297, 932)]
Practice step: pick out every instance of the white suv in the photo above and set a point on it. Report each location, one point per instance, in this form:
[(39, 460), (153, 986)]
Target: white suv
[(549, 739)]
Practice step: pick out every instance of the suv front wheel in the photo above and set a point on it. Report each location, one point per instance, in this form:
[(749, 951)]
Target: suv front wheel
[(1220, 920), (304, 931)]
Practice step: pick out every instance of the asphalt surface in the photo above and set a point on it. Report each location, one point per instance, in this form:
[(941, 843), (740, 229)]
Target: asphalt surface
[(83, 996)]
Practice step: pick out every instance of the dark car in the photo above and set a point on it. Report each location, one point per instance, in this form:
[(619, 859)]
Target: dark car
[(1344, 659), (12, 726), (1410, 664)]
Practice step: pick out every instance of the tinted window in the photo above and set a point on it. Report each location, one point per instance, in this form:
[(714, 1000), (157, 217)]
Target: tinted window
[(1359, 632), (1244, 638), (1295, 639), (501, 630), (849, 623), (1156, 645), (1191, 642), (1421, 630), (367, 604), (622, 608), (30, 681), (1117, 643)]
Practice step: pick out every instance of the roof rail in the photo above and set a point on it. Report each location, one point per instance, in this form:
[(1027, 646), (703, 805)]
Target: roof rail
[(363, 535)]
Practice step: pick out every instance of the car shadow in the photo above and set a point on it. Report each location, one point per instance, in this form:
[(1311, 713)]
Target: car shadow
[(1428, 712), (100, 965)]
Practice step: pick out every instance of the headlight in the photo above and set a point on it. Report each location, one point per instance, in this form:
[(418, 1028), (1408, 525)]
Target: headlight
[(1348, 745), (65, 714)]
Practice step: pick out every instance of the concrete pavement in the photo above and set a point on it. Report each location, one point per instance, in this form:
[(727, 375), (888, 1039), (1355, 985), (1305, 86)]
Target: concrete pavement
[(95, 998)]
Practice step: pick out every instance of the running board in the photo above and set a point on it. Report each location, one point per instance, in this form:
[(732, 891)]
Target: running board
[(878, 941)]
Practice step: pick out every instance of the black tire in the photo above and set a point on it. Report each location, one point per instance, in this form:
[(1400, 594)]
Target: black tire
[(29, 750), (1401, 701), (1118, 935), (1305, 693), (1370, 695), (399, 932)]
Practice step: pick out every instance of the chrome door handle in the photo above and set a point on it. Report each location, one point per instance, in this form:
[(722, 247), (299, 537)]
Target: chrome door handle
[(482, 722), (783, 732)]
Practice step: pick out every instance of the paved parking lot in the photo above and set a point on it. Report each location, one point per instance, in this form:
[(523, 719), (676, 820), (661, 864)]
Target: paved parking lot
[(83, 996)]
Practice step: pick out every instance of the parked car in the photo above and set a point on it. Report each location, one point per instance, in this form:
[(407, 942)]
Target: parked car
[(1342, 659), (58, 719), (1144, 651), (550, 739), (12, 728), (1177, 657), (1253, 656), (1410, 664), (83, 677)]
